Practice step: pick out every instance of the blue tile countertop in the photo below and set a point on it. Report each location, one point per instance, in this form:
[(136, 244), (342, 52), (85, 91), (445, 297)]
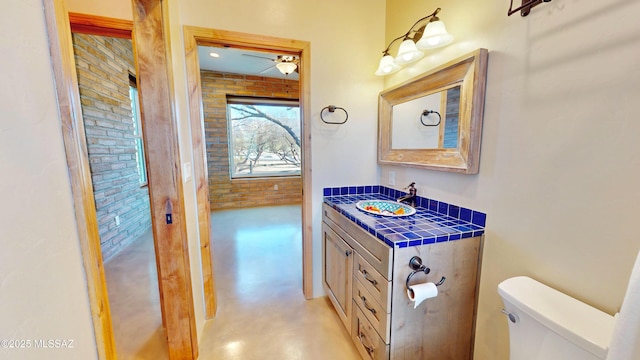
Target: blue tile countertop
[(434, 221)]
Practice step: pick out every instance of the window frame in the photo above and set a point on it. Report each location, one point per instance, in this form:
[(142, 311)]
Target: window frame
[(254, 100), (143, 179)]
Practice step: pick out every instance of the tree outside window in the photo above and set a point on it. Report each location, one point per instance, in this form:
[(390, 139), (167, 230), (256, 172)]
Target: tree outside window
[(264, 137)]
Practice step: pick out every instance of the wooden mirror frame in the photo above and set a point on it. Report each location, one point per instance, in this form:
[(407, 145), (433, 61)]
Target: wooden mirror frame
[(470, 71)]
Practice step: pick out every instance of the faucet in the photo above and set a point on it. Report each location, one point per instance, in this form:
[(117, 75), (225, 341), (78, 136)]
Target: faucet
[(410, 198)]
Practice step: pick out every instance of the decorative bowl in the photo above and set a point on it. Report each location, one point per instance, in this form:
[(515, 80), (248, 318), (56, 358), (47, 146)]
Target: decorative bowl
[(385, 208)]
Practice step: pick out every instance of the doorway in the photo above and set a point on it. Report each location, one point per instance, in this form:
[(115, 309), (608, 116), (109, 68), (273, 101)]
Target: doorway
[(108, 91), (168, 226), (195, 37), (252, 132)]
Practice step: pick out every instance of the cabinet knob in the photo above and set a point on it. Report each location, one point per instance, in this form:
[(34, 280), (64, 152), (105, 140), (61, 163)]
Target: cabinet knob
[(348, 252)]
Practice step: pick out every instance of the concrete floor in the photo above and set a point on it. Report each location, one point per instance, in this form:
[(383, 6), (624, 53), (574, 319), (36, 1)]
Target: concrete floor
[(262, 313), (132, 283)]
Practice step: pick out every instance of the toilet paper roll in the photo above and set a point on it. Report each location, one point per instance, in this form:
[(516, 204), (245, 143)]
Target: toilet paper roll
[(420, 292)]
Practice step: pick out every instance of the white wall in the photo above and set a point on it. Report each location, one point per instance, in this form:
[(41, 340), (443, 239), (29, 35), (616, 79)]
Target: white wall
[(559, 167), (344, 37), (43, 293)]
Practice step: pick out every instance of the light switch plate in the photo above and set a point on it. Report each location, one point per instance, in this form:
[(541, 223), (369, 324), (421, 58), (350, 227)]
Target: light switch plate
[(392, 177), (186, 172)]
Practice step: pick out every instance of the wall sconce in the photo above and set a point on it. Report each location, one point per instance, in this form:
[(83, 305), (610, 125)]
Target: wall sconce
[(286, 64), (431, 35)]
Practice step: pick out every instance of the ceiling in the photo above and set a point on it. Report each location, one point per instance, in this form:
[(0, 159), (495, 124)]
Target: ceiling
[(241, 61)]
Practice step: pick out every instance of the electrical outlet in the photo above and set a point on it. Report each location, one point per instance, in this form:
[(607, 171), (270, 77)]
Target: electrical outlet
[(392, 178), (275, 187), (117, 219)]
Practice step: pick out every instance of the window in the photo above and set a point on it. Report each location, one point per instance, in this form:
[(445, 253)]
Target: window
[(137, 131), (264, 137)]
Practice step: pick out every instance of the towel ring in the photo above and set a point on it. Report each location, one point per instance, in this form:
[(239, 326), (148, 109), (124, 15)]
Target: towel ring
[(426, 113), (331, 109)]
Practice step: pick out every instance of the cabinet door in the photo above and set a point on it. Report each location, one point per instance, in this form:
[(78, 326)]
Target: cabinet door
[(338, 265)]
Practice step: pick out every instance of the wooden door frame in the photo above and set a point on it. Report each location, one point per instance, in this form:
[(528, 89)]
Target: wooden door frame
[(195, 36), (66, 83), (165, 192), (154, 73), (100, 25)]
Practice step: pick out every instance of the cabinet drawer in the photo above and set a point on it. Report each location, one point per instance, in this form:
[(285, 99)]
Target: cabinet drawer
[(366, 339), (373, 281), (379, 318), (376, 252)]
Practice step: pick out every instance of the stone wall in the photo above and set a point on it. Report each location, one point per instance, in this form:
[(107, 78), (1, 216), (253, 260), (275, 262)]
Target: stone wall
[(103, 65)]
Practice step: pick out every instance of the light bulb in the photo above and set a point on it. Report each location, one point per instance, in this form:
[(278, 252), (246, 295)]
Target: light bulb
[(286, 67), (408, 53), (435, 35), (387, 66)]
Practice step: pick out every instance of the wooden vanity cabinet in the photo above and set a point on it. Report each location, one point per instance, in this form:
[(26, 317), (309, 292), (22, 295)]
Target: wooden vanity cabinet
[(338, 264), (366, 282)]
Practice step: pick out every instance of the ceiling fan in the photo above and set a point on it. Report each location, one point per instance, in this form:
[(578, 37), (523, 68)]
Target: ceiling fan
[(286, 64)]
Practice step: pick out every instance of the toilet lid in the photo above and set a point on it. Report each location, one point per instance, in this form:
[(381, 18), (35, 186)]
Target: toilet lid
[(570, 318)]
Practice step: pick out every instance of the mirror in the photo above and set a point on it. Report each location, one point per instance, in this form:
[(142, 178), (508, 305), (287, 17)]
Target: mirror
[(434, 121), (428, 122)]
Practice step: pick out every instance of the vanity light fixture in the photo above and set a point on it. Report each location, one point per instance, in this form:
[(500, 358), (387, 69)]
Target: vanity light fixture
[(286, 64), (430, 35)]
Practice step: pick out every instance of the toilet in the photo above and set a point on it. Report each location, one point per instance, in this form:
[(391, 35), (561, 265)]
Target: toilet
[(545, 324)]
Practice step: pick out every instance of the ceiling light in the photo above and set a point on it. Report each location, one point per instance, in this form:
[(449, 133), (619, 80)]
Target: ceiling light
[(286, 64), (214, 54), (286, 67), (429, 35)]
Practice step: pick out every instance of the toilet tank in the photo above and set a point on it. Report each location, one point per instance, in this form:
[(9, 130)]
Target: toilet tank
[(545, 324)]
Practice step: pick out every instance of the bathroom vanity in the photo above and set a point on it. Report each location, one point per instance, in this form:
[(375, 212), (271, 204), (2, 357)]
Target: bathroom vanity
[(366, 272)]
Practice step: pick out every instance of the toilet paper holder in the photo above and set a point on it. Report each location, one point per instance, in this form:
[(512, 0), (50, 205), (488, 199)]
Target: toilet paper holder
[(415, 263)]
